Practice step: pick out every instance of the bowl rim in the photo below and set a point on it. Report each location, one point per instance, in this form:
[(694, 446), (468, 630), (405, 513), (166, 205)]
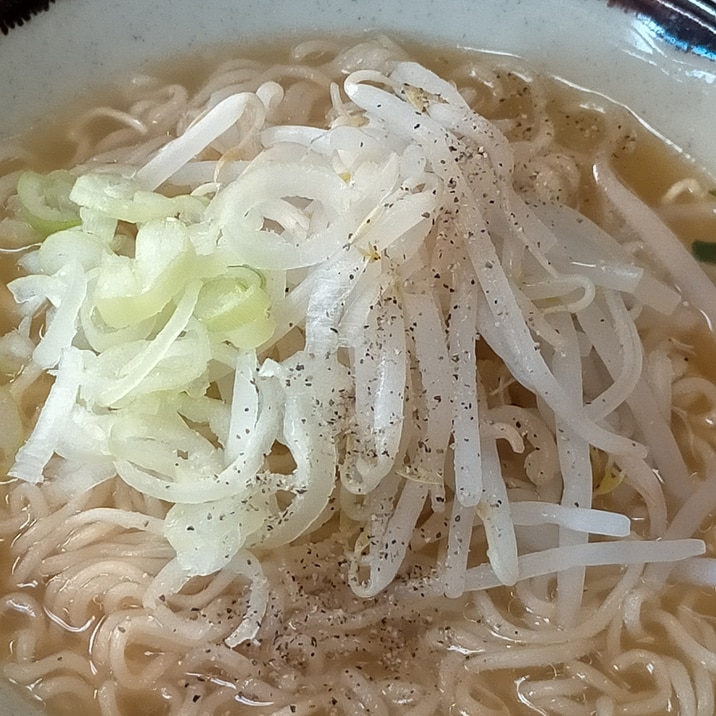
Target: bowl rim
[(585, 38)]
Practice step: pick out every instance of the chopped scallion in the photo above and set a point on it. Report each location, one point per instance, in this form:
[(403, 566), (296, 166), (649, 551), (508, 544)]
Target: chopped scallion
[(704, 251), (45, 199), (237, 306)]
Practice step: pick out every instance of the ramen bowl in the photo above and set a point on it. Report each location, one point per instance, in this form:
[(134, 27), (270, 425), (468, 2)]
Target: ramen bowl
[(660, 65)]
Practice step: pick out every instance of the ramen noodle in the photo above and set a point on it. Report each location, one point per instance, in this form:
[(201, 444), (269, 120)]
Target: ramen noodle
[(333, 385)]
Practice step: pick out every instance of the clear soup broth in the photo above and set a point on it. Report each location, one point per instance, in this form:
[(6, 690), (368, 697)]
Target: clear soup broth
[(98, 617)]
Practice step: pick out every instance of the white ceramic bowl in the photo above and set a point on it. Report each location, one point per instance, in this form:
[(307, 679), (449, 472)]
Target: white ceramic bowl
[(80, 44)]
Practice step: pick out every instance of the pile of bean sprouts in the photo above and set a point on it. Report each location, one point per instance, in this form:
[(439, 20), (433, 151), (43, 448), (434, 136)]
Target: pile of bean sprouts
[(456, 459)]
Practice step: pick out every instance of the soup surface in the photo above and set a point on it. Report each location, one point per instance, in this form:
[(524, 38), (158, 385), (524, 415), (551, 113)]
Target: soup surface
[(334, 387)]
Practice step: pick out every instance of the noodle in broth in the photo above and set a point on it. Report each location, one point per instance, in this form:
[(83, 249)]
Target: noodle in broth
[(482, 479)]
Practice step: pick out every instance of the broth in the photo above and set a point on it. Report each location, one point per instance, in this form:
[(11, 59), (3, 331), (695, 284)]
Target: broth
[(332, 650)]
